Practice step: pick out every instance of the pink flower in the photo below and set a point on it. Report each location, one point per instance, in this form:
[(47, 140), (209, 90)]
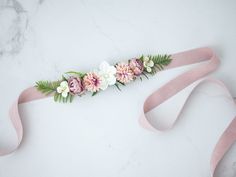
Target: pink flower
[(75, 85), (124, 73), (136, 65), (92, 82)]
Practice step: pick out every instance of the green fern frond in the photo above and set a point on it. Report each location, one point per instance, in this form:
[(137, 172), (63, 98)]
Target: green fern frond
[(160, 61), (47, 87)]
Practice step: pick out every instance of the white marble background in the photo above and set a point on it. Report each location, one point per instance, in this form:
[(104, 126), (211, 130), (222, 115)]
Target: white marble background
[(100, 136)]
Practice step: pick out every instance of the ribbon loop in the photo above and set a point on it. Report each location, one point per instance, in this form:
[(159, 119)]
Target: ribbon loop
[(179, 83)]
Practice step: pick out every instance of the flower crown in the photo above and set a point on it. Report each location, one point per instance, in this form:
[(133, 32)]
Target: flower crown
[(75, 83)]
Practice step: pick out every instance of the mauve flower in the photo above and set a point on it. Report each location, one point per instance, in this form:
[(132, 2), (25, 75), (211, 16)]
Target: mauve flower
[(136, 65), (75, 85), (92, 82), (124, 74)]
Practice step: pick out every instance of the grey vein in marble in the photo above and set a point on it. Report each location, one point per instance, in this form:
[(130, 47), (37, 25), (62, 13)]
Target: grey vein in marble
[(13, 24)]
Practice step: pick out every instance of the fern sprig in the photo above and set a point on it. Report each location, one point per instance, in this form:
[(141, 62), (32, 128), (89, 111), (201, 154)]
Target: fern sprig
[(160, 61), (58, 98), (47, 87)]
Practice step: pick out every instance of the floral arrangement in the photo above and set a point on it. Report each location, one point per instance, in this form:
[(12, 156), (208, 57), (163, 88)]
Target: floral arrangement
[(75, 83)]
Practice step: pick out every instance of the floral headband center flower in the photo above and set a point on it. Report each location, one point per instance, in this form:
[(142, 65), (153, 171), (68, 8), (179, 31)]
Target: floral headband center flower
[(107, 74)]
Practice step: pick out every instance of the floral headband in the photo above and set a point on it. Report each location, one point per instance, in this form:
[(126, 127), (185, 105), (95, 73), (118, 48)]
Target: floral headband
[(75, 83)]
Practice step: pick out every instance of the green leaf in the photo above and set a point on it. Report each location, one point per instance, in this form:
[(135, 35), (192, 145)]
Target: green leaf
[(117, 86), (120, 83), (59, 98), (64, 78), (141, 58), (64, 99), (94, 93), (67, 98), (47, 87), (71, 98), (145, 75), (80, 74), (56, 95)]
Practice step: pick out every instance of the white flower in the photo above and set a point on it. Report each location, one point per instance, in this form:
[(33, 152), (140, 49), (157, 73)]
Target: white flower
[(148, 64), (63, 89), (107, 74)]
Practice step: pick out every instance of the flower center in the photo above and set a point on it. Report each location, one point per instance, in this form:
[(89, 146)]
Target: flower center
[(95, 81), (106, 76)]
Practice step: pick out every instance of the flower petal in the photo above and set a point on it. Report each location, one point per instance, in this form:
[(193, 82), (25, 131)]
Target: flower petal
[(59, 89), (64, 94), (104, 66), (112, 80), (112, 70), (151, 63), (149, 69), (103, 85), (64, 84), (146, 59), (66, 89), (145, 64)]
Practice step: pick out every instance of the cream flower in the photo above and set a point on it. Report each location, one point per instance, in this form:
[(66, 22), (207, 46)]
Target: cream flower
[(107, 75), (148, 64), (63, 89)]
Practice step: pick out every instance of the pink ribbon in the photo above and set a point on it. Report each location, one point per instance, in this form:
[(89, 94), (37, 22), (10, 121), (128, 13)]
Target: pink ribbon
[(156, 98)]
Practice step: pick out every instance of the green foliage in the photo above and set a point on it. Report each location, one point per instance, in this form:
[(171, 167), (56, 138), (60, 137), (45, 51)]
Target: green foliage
[(80, 74), (58, 98), (47, 87), (160, 61), (141, 58), (120, 83), (94, 93), (117, 86), (145, 75)]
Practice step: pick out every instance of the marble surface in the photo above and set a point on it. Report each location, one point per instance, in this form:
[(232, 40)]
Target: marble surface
[(100, 136)]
